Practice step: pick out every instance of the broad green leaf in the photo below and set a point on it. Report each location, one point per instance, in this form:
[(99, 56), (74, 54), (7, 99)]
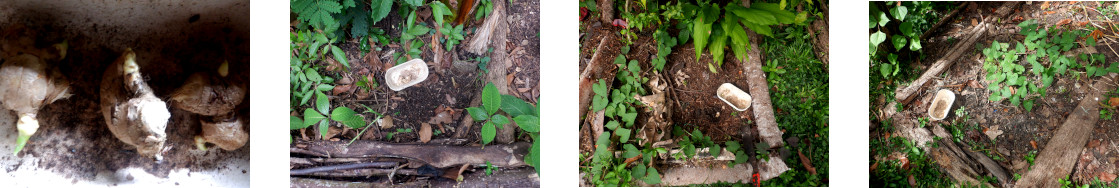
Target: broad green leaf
[(899, 12), (914, 44), (296, 123), (600, 88), (310, 117), (477, 114), (339, 55), (732, 146), (313, 75), (515, 106), (488, 132), (491, 100), (740, 157), (533, 157), (324, 128), (629, 118), (528, 123), (638, 172), (348, 117), (756, 16), (883, 19), (700, 32), (1029, 104), (689, 150), (877, 38), (438, 10), (612, 125), (653, 177), (906, 29), (899, 42), (623, 134), (739, 40), (758, 28), (718, 44), (715, 150), (380, 9), (322, 104), (598, 103), (499, 120), (630, 151), (418, 30)]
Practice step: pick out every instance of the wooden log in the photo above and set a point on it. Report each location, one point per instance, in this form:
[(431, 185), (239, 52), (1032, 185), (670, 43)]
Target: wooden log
[(599, 67), (759, 90), (485, 34), (818, 30), (440, 156), (606, 7), (950, 157), (1057, 158), (688, 175)]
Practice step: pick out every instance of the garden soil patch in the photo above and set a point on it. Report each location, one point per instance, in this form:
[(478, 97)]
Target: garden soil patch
[(172, 40)]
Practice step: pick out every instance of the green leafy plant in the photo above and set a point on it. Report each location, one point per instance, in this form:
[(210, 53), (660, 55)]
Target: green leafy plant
[(1008, 79), (334, 16), (485, 7), (713, 32), (908, 39), (524, 115), (452, 35)]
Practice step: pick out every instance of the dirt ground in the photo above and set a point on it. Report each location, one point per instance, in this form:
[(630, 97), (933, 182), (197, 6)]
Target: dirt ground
[(1023, 131), (172, 40)]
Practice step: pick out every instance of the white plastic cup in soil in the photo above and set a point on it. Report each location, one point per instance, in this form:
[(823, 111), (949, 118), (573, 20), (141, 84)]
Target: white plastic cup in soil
[(407, 74), (941, 104), (736, 98)]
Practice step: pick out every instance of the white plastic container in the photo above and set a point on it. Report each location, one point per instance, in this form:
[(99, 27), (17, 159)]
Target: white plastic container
[(941, 104), (407, 74), (736, 98)]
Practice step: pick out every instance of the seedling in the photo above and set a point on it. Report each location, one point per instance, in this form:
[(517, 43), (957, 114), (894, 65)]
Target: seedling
[(29, 84), (124, 93)]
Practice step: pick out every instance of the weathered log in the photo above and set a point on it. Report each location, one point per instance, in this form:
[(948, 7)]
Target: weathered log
[(688, 175), (486, 33), (759, 90), (818, 30), (348, 166), (440, 156), (606, 7), (598, 68), (1057, 158)]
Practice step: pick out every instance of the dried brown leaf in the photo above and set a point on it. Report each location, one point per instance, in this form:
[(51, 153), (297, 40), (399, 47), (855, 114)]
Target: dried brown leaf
[(425, 132)]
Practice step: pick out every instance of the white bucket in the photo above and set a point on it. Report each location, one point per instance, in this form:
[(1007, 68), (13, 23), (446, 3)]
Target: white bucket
[(736, 98), (941, 104), (407, 74)]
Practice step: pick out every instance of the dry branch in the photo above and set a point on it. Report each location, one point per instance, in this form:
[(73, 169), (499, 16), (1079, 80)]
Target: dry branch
[(1057, 158), (440, 156)]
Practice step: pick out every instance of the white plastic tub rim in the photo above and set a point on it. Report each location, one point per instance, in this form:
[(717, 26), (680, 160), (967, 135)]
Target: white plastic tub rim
[(728, 92), (943, 94), (407, 74)]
